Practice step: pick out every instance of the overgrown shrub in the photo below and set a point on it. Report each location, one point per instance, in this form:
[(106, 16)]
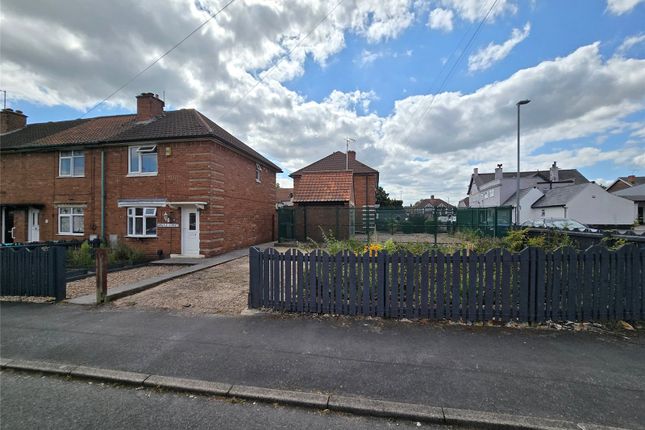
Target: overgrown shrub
[(81, 256)]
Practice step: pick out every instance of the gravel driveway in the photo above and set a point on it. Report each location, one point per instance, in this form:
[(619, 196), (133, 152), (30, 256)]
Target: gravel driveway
[(220, 289), (117, 279)]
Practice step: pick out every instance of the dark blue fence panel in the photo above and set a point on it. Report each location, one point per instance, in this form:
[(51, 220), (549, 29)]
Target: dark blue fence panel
[(33, 271), (532, 286)]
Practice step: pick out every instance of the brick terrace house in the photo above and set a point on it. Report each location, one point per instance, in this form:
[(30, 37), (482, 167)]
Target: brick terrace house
[(163, 182)]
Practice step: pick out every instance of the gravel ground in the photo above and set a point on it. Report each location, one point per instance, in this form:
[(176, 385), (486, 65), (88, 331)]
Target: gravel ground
[(117, 279), (220, 289)]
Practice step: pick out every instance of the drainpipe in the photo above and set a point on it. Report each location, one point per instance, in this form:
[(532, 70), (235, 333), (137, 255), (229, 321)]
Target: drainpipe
[(103, 195)]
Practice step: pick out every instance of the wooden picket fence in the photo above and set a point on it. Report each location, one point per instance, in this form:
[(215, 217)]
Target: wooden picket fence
[(530, 286)]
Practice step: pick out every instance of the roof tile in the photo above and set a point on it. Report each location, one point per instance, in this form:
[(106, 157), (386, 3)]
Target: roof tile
[(324, 187)]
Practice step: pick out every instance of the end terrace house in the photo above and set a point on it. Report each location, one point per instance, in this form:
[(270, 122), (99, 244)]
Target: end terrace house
[(164, 182)]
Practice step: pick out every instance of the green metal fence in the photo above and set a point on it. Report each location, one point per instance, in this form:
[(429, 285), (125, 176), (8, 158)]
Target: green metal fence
[(369, 224), (487, 221)]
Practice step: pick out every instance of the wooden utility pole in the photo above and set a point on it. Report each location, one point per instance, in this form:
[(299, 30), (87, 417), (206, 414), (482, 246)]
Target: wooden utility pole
[(101, 275)]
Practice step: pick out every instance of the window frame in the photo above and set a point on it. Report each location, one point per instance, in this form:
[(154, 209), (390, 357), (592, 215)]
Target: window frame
[(146, 214), (146, 149), (71, 215), (73, 156), (258, 173)]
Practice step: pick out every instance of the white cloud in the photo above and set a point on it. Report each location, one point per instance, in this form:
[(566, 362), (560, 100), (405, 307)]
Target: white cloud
[(619, 7), (486, 57), (367, 57), (441, 19), (629, 43)]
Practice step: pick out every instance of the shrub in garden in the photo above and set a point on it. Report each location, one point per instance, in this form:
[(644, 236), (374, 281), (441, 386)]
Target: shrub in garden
[(406, 227), (418, 223), (81, 256)]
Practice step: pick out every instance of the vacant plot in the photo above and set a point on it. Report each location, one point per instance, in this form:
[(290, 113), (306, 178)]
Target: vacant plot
[(117, 279), (220, 289)]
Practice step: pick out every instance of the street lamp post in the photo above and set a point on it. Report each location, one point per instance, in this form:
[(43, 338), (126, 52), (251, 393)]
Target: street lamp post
[(517, 188)]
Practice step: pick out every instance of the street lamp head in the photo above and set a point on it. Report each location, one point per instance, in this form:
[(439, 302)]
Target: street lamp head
[(523, 102)]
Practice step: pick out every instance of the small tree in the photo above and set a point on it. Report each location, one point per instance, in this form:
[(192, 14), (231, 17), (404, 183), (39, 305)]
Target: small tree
[(383, 199)]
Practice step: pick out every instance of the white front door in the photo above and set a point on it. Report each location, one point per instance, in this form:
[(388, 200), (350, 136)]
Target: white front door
[(189, 231), (33, 232)]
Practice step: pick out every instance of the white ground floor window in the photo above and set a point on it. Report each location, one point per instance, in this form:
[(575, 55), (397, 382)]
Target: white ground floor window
[(142, 222), (71, 220)]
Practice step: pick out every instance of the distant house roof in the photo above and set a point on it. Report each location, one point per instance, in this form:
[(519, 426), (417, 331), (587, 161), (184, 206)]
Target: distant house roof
[(325, 187), (559, 196), (630, 181), (464, 203), (635, 193), (564, 175), (283, 194), (335, 161), (512, 200), (423, 203), (179, 124)]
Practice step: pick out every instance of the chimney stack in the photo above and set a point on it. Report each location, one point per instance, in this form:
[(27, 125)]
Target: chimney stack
[(554, 175), (475, 171), (631, 179), (499, 173), (149, 106), (352, 156), (11, 120), (432, 197)]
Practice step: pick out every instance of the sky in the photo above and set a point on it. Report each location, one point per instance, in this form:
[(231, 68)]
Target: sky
[(427, 89)]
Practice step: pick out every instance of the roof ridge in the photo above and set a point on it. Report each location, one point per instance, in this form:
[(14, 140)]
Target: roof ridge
[(200, 116)]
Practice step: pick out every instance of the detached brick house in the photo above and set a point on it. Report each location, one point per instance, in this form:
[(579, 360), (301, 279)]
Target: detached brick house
[(163, 182)]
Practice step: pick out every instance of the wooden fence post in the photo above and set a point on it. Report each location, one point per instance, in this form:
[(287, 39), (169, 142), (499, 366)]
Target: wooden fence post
[(60, 281), (101, 275)]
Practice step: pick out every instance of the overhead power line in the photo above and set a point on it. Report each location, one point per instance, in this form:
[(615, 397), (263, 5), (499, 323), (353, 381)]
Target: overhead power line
[(160, 57), (454, 65)]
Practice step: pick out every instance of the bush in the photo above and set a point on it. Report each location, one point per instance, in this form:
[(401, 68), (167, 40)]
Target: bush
[(81, 256), (418, 223), (406, 227), (431, 226)]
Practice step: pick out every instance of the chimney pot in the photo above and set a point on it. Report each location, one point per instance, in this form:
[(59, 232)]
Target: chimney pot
[(475, 171), (352, 155), (432, 197), (554, 175), (499, 173)]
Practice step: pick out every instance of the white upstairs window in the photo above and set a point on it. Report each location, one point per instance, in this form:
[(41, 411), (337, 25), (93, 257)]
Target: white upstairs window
[(71, 163), (142, 160)]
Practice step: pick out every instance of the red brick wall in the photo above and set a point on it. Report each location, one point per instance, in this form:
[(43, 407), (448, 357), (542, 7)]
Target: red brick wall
[(361, 183), (239, 211)]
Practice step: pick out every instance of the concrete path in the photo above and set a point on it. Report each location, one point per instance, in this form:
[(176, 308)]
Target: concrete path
[(579, 377), (144, 284)]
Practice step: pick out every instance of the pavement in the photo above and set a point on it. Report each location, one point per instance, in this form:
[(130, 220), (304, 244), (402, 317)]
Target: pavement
[(574, 376), (194, 265)]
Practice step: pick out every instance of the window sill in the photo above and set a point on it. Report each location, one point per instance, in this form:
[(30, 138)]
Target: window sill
[(69, 177), (258, 181), (70, 234), (136, 175), (142, 237)]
